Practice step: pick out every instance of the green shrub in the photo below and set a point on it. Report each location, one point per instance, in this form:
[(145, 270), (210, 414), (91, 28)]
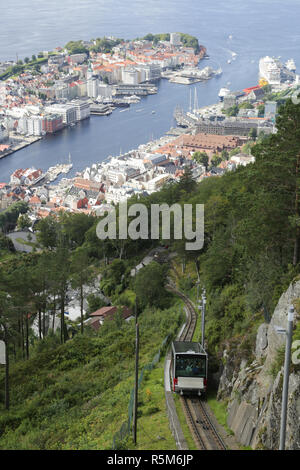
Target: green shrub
[(278, 362), (185, 284), (74, 395)]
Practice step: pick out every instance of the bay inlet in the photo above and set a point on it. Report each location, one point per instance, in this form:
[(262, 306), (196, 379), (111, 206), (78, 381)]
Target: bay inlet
[(95, 139)]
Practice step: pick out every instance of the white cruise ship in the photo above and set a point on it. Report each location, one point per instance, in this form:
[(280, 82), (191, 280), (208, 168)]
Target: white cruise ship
[(223, 92), (270, 69), (290, 65)]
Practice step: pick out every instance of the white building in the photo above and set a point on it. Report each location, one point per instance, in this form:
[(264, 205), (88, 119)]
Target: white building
[(137, 163), (104, 90), (3, 133), (130, 76), (67, 111), (61, 91), (242, 159), (3, 92), (15, 112), (34, 125), (22, 125), (92, 87), (45, 69), (117, 195), (115, 175), (149, 72), (83, 109), (31, 109), (175, 39), (56, 59), (156, 182)]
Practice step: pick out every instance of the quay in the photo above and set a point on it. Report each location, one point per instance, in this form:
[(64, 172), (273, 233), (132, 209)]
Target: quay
[(143, 90), (101, 110), (181, 80), (190, 75), (18, 142)]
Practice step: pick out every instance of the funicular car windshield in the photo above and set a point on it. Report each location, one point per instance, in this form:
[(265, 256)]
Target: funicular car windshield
[(190, 365)]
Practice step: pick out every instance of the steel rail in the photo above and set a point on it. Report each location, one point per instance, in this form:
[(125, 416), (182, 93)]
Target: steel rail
[(203, 430)]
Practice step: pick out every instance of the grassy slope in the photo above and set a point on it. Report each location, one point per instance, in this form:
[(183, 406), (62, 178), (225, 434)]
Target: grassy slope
[(153, 430), (76, 396)]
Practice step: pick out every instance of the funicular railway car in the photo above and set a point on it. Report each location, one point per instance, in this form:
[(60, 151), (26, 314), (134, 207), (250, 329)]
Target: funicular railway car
[(188, 368)]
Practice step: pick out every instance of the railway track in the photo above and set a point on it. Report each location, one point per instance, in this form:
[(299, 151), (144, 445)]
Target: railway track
[(202, 428), (188, 332), (204, 432)]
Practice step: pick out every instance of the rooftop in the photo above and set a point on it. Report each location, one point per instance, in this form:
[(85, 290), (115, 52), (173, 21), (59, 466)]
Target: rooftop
[(187, 346)]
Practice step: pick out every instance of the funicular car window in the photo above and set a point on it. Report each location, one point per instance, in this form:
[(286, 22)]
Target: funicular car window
[(190, 366)]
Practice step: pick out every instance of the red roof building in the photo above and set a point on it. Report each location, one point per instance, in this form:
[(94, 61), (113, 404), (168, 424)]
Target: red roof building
[(248, 90), (107, 313), (35, 201)]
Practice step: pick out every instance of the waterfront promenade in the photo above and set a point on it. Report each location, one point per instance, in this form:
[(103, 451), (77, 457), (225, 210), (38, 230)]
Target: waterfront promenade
[(17, 143)]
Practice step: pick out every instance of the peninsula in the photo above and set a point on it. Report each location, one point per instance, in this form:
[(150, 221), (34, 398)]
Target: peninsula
[(58, 88)]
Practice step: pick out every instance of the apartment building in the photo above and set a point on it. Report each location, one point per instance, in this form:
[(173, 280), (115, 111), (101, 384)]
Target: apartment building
[(157, 182), (234, 126), (3, 133), (83, 109), (92, 87), (67, 111), (34, 125), (175, 39), (130, 76), (52, 123)]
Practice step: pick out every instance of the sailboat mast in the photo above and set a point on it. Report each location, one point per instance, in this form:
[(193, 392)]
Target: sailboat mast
[(195, 100)]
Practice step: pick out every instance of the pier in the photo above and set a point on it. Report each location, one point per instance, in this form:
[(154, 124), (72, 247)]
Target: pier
[(18, 143), (142, 90), (182, 119), (101, 110)]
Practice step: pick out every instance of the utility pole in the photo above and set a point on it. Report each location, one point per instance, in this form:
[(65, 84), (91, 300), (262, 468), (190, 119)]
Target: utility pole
[(135, 300), (6, 369), (4, 359), (285, 388), (203, 318), (136, 383), (198, 303)]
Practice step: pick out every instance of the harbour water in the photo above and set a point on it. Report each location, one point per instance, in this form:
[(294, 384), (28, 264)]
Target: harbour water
[(234, 31)]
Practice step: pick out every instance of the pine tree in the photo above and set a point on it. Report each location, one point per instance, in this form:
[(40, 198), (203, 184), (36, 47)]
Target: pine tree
[(80, 276), (277, 174)]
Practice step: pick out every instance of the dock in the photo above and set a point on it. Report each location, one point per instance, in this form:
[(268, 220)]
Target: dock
[(184, 80), (18, 143), (190, 75), (138, 90), (101, 110)]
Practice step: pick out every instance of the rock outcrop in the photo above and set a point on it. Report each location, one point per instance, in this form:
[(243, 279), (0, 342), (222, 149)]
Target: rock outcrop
[(254, 391)]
